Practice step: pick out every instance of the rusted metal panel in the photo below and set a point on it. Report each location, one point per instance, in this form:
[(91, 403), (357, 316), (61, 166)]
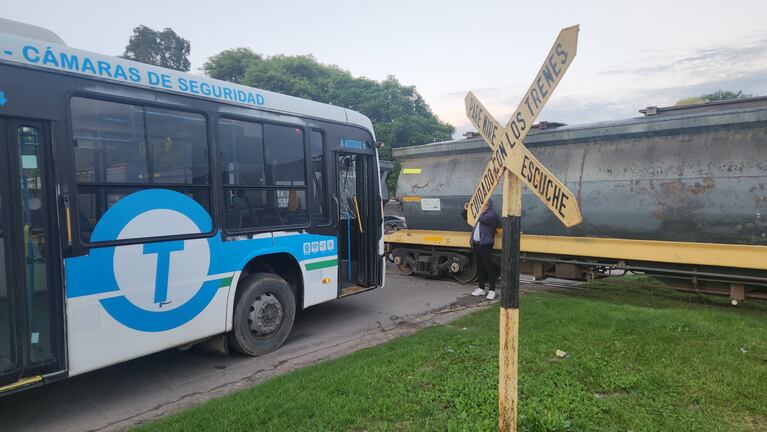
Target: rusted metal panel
[(697, 175)]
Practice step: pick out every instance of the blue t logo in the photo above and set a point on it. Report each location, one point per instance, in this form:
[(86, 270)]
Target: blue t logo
[(95, 272), (163, 251)]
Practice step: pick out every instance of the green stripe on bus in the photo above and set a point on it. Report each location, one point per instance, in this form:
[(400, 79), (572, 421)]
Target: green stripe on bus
[(321, 264), (225, 282)]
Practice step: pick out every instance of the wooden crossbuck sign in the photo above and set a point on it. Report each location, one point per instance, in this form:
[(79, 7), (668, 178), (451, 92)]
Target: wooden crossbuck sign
[(506, 143), (515, 163)]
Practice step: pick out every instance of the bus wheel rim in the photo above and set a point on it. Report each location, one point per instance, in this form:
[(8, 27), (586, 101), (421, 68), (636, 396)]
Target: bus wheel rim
[(265, 315)]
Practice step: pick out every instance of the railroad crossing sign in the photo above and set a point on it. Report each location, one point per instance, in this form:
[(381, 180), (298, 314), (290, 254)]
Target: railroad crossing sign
[(515, 163), (506, 143)]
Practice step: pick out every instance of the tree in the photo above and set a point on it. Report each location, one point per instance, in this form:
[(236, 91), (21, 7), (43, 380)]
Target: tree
[(230, 65), (164, 48), (718, 95), (400, 115)]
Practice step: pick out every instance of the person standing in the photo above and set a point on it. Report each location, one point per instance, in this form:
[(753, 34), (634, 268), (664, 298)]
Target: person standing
[(482, 239)]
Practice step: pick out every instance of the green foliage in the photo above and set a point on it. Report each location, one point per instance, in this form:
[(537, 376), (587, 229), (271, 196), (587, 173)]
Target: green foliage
[(643, 358), (718, 95), (400, 115), (160, 48), (689, 101), (230, 65)]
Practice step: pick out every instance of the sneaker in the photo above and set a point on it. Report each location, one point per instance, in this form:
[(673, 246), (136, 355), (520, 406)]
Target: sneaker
[(491, 295), (478, 292)]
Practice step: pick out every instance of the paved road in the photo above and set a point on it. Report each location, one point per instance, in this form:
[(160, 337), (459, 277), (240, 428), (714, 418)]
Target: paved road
[(146, 388)]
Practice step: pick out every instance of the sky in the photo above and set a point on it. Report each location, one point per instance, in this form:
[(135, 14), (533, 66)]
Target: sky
[(631, 54)]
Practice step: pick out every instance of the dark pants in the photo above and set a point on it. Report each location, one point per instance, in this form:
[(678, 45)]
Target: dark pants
[(483, 257)]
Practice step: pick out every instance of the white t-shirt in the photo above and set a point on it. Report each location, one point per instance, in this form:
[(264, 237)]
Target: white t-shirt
[(475, 235)]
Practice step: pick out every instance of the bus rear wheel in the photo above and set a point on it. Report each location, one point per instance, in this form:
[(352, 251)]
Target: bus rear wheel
[(263, 314)]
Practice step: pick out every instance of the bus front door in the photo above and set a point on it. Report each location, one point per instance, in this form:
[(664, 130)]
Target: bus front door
[(355, 236), (31, 330)]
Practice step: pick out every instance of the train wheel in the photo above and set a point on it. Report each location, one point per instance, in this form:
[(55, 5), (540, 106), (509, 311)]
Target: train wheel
[(404, 265), (467, 275), (405, 269)]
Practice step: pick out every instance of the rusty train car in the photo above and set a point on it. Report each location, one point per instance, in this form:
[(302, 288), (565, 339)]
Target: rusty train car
[(679, 193)]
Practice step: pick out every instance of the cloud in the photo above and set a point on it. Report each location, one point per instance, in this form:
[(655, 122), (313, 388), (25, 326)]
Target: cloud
[(590, 108), (754, 83), (703, 64), (660, 78)]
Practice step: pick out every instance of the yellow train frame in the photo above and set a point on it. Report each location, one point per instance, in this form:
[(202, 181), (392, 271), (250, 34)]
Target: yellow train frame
[(704, 254), (686, 253)]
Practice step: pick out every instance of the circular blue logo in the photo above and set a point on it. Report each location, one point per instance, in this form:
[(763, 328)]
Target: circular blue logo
[(161, 285)]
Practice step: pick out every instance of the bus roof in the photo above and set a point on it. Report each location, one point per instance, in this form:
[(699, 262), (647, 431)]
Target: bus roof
[(36, 47)]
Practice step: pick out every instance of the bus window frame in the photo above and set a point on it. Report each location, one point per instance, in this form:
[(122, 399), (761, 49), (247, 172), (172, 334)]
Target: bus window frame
[(178, 187), (325, 166), (222, 188)]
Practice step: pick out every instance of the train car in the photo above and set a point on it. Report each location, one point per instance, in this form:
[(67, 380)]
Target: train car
[(679, 193)]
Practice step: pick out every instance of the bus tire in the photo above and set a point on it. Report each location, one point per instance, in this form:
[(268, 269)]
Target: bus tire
[(263, 314)]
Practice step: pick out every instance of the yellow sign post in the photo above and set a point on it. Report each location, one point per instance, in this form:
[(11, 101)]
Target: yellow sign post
[(515, 163), (506, 143)]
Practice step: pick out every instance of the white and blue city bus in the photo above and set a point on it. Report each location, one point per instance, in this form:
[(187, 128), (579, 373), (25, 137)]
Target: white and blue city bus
[(143, 208)]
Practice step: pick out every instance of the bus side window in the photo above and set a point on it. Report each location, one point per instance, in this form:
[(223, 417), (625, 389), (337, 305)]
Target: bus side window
[(178, 147), (263, 173), (121, 149), (286, 168)]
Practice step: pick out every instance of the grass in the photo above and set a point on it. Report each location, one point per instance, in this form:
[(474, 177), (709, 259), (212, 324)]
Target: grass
[(642, 358)]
